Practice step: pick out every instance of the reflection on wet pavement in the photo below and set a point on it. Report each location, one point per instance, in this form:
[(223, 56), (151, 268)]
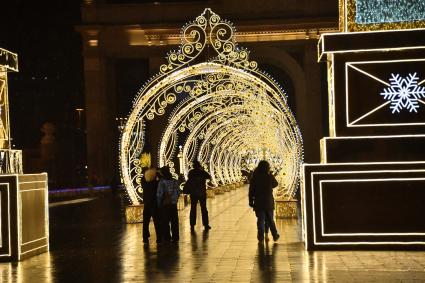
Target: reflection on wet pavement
[(90, 243)]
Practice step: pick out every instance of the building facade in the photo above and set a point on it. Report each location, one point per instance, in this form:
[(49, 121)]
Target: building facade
[(125, 42)]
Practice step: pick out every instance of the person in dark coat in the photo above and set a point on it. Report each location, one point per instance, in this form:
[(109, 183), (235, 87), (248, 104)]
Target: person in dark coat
[(261, 199), (150, 207), (167, 198), (198, 177)]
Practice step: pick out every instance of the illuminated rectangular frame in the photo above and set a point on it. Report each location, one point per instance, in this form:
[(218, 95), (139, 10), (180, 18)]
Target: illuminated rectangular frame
[(347, 20), (46, 213), (323, 49), (324, 145), (315, 242), (349, 124), (305, 228), (322, 226)]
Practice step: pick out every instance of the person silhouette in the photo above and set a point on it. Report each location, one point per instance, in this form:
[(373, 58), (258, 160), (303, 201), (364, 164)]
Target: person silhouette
[(150, 206), (198, 177), (261, 199), (167, 197)]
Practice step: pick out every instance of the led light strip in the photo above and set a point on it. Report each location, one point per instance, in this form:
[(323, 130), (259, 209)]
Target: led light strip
[(350, 123), (322, 223), (313, 208)]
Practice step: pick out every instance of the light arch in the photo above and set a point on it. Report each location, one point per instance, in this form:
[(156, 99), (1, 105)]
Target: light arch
[(230, 113)]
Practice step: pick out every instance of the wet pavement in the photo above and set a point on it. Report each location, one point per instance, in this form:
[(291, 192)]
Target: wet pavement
[(89, 242)]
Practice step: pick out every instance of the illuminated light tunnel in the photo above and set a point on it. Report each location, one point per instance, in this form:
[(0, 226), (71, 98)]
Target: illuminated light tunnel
[(226, 113)]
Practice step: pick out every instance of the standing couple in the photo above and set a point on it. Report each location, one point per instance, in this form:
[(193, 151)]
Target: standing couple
[(160, 195)]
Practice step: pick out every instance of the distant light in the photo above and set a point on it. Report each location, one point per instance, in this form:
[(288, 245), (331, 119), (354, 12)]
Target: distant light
[(156, 3), (93, 42)]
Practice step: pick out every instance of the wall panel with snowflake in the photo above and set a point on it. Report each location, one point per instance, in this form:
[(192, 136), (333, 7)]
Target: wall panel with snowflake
[(368, 189), (376, 91), (385, 93)]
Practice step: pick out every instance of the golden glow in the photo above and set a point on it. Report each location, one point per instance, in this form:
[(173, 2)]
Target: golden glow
[(347, 22), (10, 160), (4, 111), (93, 42), (145, 160), (8, 61), (230, 114)]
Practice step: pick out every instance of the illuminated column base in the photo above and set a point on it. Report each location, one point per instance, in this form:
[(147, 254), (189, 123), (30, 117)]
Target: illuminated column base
[(286, 208), (219, 190), (134, 214), (24, 216)]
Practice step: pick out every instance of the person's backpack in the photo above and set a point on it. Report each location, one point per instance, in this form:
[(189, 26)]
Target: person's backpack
[(166, 198)]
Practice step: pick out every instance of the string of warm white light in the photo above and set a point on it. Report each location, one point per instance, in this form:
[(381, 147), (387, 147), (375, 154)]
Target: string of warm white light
[(366, 15), (230, 115)]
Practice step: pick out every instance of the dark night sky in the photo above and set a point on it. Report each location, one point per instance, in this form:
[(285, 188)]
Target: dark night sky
[(49, 85)]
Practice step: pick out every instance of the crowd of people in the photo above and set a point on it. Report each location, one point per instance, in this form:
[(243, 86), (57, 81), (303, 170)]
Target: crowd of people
[(161, 193)]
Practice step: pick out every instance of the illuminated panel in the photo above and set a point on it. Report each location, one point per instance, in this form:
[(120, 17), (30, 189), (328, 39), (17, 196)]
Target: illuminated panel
[(5, 249), (402, 40), (373, 148), (384, 93), (370, 76), (389, 11), (340, 199), (352, 204), (34, 215)]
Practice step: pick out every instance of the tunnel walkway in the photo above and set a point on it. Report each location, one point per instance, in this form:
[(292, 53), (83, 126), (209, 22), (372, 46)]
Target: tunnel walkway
[(90, 243)]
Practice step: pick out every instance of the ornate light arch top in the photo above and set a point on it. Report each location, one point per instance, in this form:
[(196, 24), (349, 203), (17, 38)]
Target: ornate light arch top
[(208, 29), (229, 114)]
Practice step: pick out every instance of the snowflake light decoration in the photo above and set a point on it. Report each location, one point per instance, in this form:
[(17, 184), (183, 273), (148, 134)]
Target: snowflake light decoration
[(404, 93)]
